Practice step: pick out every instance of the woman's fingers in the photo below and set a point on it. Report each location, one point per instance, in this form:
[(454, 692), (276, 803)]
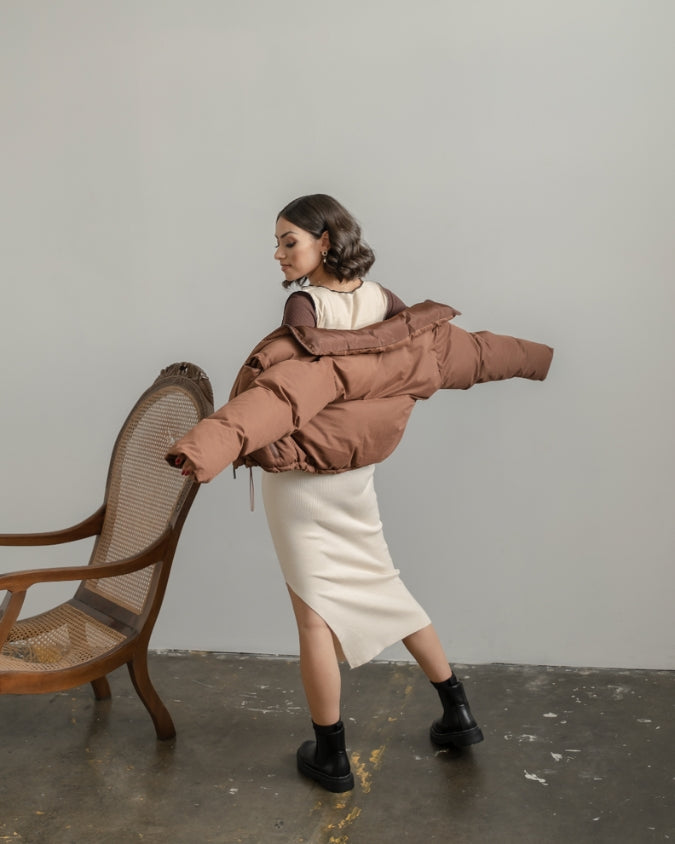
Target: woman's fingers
[(180, 461)]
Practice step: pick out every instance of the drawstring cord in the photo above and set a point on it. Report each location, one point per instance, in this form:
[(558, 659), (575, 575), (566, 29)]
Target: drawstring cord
[(251, 486)]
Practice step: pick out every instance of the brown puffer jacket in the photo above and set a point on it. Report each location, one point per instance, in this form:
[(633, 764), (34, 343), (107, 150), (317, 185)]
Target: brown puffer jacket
[(331, 400)]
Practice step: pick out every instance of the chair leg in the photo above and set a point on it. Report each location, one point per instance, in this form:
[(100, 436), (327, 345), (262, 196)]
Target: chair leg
[(138, 670), (101, 688)]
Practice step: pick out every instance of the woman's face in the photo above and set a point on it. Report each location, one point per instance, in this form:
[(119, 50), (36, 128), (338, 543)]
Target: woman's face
[(298, 252)]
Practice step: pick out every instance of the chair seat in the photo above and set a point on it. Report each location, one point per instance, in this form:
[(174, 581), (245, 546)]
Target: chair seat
[(63, 637)]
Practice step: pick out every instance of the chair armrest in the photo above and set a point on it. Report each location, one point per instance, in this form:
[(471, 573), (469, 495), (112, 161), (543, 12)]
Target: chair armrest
[(9, 612), (89, 527), (19, 581)]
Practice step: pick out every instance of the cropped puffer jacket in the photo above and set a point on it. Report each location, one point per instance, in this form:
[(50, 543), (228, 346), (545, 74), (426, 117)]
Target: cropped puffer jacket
[(330, 400)]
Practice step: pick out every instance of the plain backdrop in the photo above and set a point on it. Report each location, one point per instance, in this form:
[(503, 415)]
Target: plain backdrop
[(512, 159)]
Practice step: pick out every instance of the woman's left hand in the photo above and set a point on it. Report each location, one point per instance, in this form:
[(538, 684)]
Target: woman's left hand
[(188, 467), (183, 463)]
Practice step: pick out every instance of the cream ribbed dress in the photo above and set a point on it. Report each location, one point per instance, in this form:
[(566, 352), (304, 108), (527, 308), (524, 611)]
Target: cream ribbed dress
[(327, 531)]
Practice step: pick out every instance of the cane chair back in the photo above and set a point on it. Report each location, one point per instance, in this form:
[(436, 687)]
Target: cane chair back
[(144, 494)]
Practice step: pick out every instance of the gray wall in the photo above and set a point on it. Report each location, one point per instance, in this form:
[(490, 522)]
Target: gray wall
[(514, 159)]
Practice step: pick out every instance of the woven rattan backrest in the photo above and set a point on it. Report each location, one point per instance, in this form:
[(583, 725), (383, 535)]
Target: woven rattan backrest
[(144, 494)]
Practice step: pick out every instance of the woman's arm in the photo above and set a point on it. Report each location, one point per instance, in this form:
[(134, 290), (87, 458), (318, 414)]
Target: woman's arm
[(299, 310), (396, 305)]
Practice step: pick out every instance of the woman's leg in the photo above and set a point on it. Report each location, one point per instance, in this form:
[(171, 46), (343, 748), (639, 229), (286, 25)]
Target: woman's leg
[(324, 760), (457, 726), (318, 663), (427, 650)]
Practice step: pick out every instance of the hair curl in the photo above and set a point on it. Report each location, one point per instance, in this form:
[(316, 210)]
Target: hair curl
[(349, 256)]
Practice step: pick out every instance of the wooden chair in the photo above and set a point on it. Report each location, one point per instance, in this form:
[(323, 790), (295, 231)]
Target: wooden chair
[(109, 620)]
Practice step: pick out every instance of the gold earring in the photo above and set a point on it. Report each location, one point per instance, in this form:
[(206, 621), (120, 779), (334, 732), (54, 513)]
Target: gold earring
[(323, 255)]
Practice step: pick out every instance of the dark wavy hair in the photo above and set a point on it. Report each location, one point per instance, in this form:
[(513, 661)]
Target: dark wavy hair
[(349, 257)]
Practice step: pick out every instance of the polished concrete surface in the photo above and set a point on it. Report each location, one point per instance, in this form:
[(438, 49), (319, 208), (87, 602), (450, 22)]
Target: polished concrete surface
[(569, 756)]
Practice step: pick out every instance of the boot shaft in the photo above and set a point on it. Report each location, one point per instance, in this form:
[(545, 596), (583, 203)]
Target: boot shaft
[(325, 760), (331, 748), (456, 712)]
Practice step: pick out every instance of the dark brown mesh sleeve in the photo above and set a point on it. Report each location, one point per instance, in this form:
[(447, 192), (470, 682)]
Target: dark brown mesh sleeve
[(299, 310), (396, 305)]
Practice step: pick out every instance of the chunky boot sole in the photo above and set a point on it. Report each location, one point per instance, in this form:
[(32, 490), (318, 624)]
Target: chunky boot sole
[(331, 783), (460, 738)]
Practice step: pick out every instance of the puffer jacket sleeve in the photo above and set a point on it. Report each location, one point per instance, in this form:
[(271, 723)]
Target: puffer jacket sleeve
[(467, 358), (270, 409)]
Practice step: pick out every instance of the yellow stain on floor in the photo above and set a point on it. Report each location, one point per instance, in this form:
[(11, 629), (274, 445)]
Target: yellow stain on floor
[(349, 818), (376, 757), (362, 770), (362, 773), (320, 806), (341, 825)]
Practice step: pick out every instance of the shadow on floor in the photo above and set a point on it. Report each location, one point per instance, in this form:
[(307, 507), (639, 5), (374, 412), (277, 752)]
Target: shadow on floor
[(569, 755)]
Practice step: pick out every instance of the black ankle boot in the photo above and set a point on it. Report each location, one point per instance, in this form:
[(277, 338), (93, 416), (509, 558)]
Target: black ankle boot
[(325, 760), (457, 726)]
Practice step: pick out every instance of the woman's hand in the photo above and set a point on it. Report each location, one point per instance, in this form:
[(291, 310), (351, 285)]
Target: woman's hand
[(183, 463)]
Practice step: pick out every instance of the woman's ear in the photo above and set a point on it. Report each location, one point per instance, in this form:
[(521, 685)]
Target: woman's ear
[(325, 241)]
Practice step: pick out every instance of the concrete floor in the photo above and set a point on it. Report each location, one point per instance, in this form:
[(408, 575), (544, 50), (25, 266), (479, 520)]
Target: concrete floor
[(569, 756)]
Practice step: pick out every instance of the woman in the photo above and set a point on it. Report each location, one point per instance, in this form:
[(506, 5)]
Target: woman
[(316, 409), (346, 594), (348, 599)]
